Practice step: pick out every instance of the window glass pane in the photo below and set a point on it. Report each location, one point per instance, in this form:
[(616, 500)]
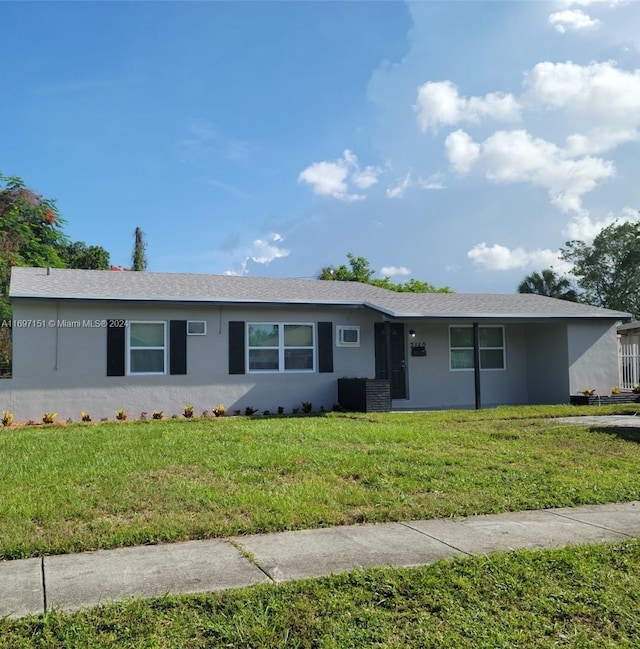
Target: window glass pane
[(461, 336), (147, 360), (263, 359), (298, 359), (263, 335), (490, 336), (146, 334), (461, 359), (298, 336), (491, 359)]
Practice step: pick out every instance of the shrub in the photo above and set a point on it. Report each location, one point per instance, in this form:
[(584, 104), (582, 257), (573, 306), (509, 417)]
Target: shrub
[(121, 415), (219, 410), (188, 412), (281, 410), (307, 407), (84, 416), (7, 418), (49, 417), (266, 413), (157, 414), (250, 410)]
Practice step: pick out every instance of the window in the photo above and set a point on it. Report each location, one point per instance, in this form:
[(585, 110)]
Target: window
[(348, 336), (492, 355), (196, 327), (280, 347), (147, 347)]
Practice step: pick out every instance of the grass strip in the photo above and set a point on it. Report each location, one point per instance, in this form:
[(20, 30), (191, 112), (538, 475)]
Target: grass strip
[(581, 596)]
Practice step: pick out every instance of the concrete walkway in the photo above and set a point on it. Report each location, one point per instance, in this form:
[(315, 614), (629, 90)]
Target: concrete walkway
[(72, 581)]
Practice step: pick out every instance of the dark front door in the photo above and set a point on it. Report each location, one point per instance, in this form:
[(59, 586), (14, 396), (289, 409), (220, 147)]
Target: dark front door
[(398, 363)]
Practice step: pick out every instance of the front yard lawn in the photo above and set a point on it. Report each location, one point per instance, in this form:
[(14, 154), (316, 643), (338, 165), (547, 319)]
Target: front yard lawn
[(80, 487)]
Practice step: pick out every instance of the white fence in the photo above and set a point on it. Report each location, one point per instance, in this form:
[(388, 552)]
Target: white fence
[(629, 363)]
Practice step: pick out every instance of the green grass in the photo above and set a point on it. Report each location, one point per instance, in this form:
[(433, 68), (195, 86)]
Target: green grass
[(80, 487), (583, 597)]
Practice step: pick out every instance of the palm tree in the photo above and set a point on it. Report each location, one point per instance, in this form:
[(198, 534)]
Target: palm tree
[(548, 283)]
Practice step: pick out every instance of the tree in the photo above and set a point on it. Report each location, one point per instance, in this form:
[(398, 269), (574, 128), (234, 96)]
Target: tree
[(608, 270), (30, 233), (360, 271), (549, 283), (79, 255), (139, 258)]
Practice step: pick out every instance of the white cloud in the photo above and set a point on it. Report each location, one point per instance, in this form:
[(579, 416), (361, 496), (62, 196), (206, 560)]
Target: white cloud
[(583, 228), (261, 251), (499, 257), (398, 190), (332, 178), (365, 178), (462, 152), (434, 181), (394, 271), (600, 92), (439, 103), (516, 156), (574, 19)]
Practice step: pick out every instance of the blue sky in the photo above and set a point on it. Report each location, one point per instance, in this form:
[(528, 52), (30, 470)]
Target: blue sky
[(461, 143)]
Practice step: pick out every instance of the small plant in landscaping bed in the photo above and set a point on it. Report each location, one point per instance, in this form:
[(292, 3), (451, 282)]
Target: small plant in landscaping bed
[(250, 410), (175, 417), (49, 417), (69, 421), (188, 412), (307, 407), (236, 412), (121, 415), (104, 418), (615, 390), (7, 418), (157, 414), (588, 392), (281, 410), (219, 410), (30, 422), (266, 413), (636, 389), (84, 416), (205, 413), (143, 416), (295, 411)]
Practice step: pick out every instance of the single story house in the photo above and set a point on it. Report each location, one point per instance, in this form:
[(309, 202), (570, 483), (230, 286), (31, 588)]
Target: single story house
[(101, 341)]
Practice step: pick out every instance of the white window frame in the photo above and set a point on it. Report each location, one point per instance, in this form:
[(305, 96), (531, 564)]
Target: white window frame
[(503, 348), (340, 342), (197, 333), (281, 348), (130, 348)]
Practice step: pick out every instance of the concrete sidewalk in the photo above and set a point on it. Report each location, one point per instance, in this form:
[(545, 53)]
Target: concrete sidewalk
[(72, 581)]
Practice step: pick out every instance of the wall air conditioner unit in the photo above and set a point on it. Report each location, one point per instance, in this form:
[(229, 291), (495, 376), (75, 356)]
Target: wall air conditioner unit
[(196, 327), (348, 336)]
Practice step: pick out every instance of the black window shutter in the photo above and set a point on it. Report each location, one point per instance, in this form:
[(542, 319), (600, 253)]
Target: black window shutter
[(115, 348), (325, 346), (236, 347), (178, 347)]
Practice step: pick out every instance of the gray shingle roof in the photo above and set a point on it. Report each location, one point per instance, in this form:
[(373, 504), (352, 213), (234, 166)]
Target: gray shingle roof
[(64, 284)]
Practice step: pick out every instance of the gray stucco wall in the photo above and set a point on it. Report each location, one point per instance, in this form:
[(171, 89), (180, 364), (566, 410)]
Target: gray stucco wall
[(432, 384), (63, 369), (593, 356), (547, 363)]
